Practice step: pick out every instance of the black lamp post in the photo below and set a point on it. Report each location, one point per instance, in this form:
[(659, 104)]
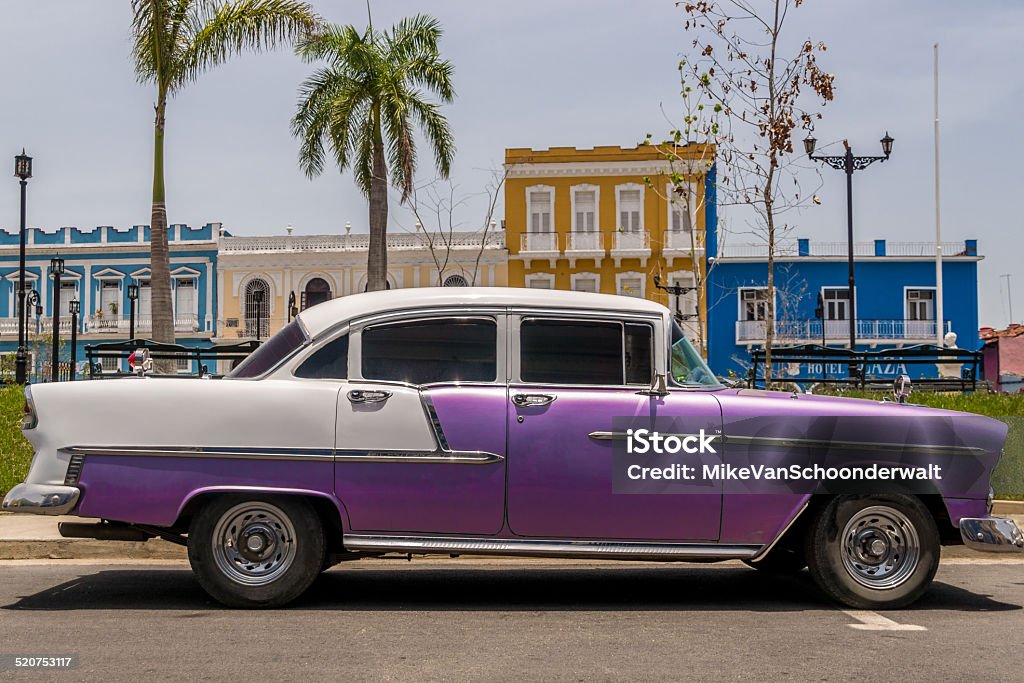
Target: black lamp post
[(849, 163), (75, 306), (133, 296), (57, 268), (292, 310), (676, 291), (22, 171), (32, 303)]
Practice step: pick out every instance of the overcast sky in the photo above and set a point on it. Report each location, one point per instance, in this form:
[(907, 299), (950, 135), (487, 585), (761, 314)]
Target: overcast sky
[(532, 73)]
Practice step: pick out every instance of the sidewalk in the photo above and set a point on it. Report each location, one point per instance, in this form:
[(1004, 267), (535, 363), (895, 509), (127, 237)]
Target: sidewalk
[(35, 537)]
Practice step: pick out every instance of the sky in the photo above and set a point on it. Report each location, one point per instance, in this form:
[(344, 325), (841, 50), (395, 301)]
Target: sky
[(527, 74)]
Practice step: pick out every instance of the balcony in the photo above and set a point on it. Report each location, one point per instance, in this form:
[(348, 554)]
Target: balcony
[(540, 246), (681, 244), (36, 325), (750, 332), (110, 324), (631, 245), (584, 245)]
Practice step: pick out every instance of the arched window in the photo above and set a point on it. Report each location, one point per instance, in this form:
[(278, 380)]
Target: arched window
[(317, 291), (366, 287), (456, 281), (257, 308)]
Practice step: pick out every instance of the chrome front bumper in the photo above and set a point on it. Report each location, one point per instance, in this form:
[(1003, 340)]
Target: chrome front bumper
[(41, 499), (992, 534)]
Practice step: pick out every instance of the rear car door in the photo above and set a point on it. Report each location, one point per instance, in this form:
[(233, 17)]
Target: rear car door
[(420, 443)]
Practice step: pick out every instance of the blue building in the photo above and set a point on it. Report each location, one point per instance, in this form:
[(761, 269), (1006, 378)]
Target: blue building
[(99, 266), (894, 299)]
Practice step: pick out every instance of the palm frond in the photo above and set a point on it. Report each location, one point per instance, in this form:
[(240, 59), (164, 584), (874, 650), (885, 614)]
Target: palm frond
[(396, 118), (437, 131), (217, 31)]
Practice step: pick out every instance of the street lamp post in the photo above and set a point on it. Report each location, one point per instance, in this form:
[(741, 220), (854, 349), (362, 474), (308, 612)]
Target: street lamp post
[(31, 304), (57, 268), (849, 163), (22, 171), (292, 310), (75, 306), (133, 296)]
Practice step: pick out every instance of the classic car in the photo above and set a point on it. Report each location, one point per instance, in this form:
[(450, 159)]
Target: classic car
[(490, 421)]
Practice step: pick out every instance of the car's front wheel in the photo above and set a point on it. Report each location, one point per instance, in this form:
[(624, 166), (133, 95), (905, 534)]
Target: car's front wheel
[(256, 552), (873, 552)]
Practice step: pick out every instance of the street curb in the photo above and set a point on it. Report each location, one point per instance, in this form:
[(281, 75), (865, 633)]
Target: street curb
[(1008, 507), (80, 549)]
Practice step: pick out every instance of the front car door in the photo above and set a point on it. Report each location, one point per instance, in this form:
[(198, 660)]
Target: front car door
[(420, 441), (573, 379)]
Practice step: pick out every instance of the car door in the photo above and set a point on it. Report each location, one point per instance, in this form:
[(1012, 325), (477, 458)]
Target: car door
[(574, 381), (420, 443)]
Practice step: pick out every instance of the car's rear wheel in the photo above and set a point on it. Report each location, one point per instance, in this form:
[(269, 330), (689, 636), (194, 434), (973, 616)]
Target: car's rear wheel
[(256, 552), (873, 552)]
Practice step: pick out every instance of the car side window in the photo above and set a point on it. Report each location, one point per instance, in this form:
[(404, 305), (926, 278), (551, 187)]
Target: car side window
[(435, 350), (592, 352), (639, 353), (329, 362)]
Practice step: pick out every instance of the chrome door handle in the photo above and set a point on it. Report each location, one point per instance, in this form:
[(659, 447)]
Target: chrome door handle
[(368, 396), (532, 400)]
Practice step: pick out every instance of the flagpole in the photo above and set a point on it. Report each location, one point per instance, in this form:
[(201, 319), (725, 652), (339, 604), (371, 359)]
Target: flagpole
[(939, 313)]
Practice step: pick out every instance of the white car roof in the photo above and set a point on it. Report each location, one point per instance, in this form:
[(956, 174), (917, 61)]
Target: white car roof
[(328, 314)]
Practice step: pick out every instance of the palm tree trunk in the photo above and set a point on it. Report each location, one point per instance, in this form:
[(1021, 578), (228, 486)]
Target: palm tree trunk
[(160, 264), (377, 258)]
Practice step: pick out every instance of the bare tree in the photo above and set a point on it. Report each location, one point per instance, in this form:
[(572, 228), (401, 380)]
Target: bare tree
[(435, 205), (748, 88)]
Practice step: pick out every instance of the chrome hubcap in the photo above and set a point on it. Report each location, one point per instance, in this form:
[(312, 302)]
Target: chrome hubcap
[(880, 547), (254, 543)]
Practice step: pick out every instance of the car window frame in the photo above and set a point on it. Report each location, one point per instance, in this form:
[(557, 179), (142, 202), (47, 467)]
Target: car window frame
[(497, 315), (656, 322)]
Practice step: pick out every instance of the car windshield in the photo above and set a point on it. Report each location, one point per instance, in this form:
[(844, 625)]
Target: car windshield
[(272, 352), (687, 366)]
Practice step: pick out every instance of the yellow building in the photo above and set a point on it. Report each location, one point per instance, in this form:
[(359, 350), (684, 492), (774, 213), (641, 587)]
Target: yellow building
[(608, 220)]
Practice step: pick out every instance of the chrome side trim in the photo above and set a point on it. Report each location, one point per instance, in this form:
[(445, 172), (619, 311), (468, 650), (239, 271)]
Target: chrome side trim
[(41, 499), (991, 534), (936, 449), (436, 457), (612, 550), (768, 548), (290, 454), (303, 454)]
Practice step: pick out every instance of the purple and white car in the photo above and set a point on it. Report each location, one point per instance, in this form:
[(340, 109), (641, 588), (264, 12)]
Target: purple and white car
[(499, 422)]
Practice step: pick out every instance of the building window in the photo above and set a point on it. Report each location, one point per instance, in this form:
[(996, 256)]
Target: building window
[(183, 362), (539, 208), (68, 291), (455, 281), (584, 210), (423, 352), (540, 281), (316, 292), (185, 299), (681, 208), (110, 364), (920, 304), (837, 303), (630, 206), (257, 307), (631, 284), (145, 300), (685, 303), (110, 298), (754, 303), (585, 283)]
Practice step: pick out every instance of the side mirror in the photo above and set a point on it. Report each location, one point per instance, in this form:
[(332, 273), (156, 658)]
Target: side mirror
[(659, 386), (901, 388)]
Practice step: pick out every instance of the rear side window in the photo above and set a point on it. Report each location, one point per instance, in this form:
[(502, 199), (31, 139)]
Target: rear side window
[(272, 352), (427, 351), (585, 352), (329, 362)]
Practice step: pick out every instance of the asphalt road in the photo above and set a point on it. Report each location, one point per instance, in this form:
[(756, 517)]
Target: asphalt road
[(511, 620)]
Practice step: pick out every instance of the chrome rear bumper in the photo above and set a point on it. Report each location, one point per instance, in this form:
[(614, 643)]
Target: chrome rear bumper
[(41, 499), (992, 534)]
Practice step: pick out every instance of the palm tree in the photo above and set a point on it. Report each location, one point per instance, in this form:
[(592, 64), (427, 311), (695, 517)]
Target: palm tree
[(174, 42), (364, 105)]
